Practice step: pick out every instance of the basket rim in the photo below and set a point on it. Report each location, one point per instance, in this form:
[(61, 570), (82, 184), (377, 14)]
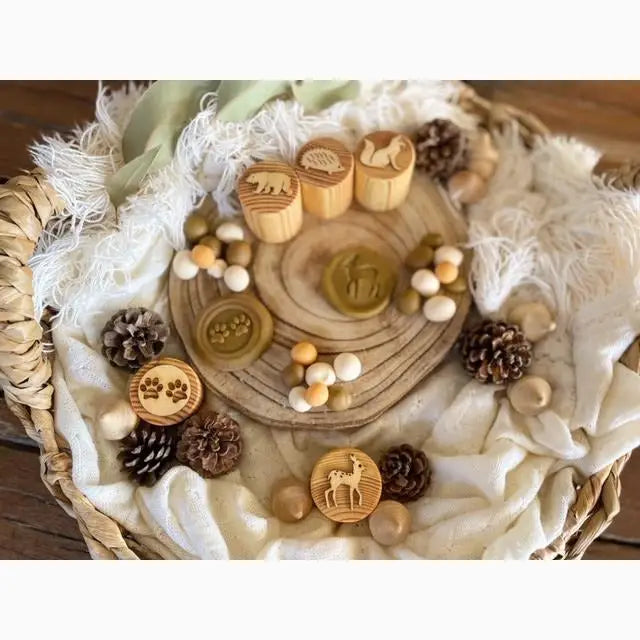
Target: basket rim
[(28, 201)]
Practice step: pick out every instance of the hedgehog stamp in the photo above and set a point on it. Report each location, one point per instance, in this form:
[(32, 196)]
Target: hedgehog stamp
[(321, 159)]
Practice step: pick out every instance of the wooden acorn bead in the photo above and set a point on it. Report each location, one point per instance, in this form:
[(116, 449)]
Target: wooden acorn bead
[(384, 163), (325, 169), (466, 187), (530, 395), (291, 500), (271, 200), (484, 155), (390, 523), (534, 318)]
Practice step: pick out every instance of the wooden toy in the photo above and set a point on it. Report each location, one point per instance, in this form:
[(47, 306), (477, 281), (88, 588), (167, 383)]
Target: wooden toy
[(346, 485), (384, 162), (165, 391), (325, 169), (271, 200), (234, 331)]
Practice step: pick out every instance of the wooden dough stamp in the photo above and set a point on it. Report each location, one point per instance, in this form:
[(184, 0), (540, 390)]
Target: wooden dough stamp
[(271, 200), (325, 170), (383, 170), (165, 391), (346, 485)]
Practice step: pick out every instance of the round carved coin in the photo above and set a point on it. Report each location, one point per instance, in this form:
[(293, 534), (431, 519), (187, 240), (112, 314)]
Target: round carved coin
[(358, 282), (234, 331), (346, 485), (165, 391)]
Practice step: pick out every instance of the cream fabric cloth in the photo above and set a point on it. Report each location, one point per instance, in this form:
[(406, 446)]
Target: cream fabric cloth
[(501, 485)]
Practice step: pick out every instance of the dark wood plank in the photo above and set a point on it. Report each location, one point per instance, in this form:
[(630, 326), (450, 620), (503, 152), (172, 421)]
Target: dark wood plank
[(626, 526), (603, 550), (10, 428), (32, 524)]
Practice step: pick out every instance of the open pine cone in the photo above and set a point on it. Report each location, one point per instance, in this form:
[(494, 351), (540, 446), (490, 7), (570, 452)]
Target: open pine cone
[(405, 473), (146, 453), (441, 148), (495, 352), (210, 443), (132, 337)]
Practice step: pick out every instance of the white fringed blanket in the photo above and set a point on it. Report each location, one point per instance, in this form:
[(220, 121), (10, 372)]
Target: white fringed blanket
[(502, 483)]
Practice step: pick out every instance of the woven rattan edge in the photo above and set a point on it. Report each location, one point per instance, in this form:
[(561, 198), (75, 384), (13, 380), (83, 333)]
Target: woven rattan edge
[(27, 202)]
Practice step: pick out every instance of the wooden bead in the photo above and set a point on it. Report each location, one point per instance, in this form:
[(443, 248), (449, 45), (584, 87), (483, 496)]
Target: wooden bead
[(165, 391), (195, 227), (304, 353), (236, 278), (446, 272), (213, 243), (409, 302), (347, 366), (271, 200), (420, 257), (116, 418), (390, 523), (346, 485), (291, 500), (293, 375), (459, 285), (534, 318), (466, 187), (439, 309), (424, 281), (433, 240), (447, 253), (317, 394), (484, 155), (184, 266), (239, 253), (339, 399), (530, 395), (203, 256), (229, 232), (325, 169), (297, 400), (217, 269), (320, 372), (384, 162)]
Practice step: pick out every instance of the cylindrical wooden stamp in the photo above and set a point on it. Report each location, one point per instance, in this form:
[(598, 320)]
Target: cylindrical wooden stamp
[(384, 162), (325, 169), (269, 193)]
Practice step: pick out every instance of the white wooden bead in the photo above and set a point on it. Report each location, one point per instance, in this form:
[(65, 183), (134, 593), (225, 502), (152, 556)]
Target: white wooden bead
[(347, 366), (450, 254), (227, 232), (116, 418), (439, 309), (217, 269), (320, 372), (184, 266), (425, 282), (297, 401), (236, 278)]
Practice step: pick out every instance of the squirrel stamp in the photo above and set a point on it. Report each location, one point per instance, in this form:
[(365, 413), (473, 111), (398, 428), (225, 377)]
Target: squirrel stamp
[(382, 158)]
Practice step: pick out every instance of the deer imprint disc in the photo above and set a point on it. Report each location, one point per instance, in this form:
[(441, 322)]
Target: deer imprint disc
[(346, 485), (358, 282), (165, 391)]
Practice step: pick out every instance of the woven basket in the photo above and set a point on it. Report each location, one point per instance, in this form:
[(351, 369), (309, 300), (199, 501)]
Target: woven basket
[(26, 205)]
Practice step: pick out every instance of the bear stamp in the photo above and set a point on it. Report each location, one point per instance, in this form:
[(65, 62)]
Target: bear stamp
[(268, 182)]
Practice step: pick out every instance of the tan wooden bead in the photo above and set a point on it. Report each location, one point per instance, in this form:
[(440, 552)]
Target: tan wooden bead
[(291, 500), (304, 353), (390, 523), (317, 394), (203, 256), (446, 272)]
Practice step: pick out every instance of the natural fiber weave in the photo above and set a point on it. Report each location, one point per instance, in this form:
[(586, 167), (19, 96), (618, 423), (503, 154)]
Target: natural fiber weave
[(26, 204)]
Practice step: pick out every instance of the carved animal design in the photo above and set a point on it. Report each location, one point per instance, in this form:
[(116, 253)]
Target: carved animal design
[(338, 478), (384, 157), (270, 182), (321, 159), (359, 276)]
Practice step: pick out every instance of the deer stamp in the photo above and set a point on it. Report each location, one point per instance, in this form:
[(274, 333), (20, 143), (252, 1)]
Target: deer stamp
[(339, 478)]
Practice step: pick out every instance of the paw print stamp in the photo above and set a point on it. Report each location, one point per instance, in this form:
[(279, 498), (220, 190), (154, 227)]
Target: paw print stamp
[(240, 324), (151, 388), (177, 390), (219, 332)]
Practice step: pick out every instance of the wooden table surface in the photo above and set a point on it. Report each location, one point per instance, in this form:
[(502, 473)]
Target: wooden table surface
[(32, 525)]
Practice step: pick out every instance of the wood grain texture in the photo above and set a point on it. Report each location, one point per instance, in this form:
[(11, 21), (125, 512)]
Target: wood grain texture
[(396, 351)]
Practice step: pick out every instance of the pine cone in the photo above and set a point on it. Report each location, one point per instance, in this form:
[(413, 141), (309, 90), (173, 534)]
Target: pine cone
[(495, 352), (405, 473), (210, 444), (133, 337), (146, 453), (441, 148)]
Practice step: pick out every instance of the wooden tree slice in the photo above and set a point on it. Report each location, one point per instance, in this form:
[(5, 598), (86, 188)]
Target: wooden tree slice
[(396, 351)]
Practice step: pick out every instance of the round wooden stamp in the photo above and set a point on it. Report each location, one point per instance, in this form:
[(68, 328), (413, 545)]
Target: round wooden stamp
[(269, 193), (165, 391), (346, 485), (325, 169), (359, 282), (234, 331), (384, 166)]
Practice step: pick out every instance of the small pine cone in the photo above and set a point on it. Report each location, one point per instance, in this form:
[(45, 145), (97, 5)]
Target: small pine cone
[(133, 337), (495, 352), (441, 148), (210, 443), (147, 452), (405, 473)]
